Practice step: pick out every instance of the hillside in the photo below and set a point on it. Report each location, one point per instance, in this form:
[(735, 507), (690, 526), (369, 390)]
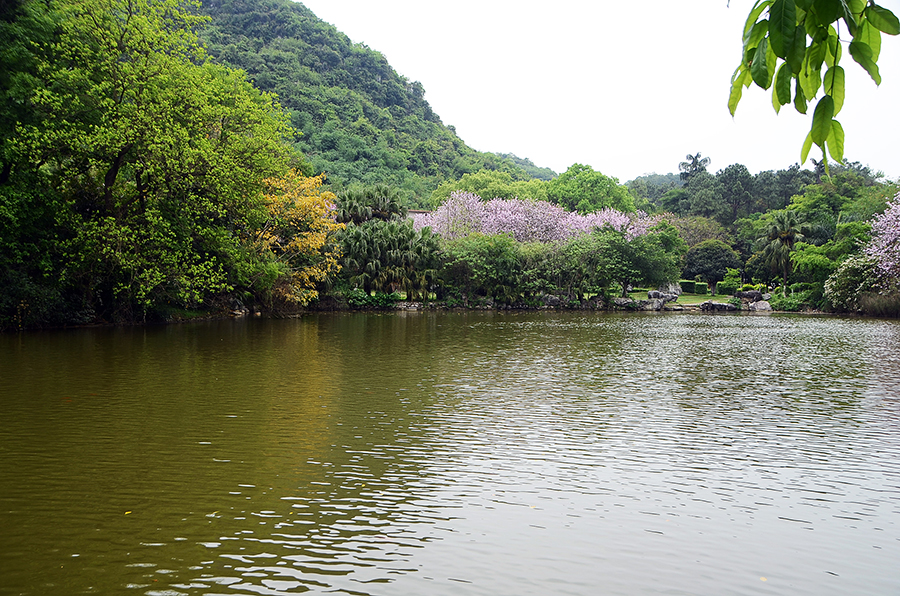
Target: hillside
[(360, 120)]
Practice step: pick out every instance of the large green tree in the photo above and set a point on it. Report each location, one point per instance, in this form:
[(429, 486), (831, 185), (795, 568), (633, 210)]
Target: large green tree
[(582, 189), (148, 162), (710, 260)]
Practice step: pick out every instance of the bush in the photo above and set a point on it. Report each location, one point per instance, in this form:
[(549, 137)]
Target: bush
[(811, 299), (725, 288), (854, 277), (359, 298), (687, 286), (701, 287), (729, 285), (880, 304)]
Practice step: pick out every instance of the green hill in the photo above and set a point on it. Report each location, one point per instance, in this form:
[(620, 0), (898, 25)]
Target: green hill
[(360, 120)]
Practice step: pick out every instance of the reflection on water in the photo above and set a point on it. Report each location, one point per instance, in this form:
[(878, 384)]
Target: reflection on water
[(462, 453)]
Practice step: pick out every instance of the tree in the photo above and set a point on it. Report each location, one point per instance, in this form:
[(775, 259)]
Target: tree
[(385, 256), (711, 260), (693, 166), (783, 232), (737, 186), (301, 219), (704, 196), (359, 204), (694, 229), (885, 245), (144, 163), (789, 41), (583, 190)]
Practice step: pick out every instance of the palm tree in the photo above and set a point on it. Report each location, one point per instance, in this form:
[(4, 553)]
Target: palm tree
[(693, 166), (782, 233)]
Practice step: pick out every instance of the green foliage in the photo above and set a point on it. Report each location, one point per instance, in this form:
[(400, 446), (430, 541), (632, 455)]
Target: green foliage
[(359, 204), (140, 167), (783, 231), (710, 260), (480, 265), (360, 120), (386, 256), (582, 189), (855, 277), (801, 41), (491, 185), (358, 298), (701, 288), (730, 284)]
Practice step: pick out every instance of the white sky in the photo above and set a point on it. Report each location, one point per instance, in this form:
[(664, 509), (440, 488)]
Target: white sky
[(625, 87)]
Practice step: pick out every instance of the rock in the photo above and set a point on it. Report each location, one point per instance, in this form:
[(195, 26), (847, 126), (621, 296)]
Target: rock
[(749, 296), (767, 296), (709, 305), (664, 296), (655, 304), (760, 305), (670, 288), (624, 302), (551, 300)]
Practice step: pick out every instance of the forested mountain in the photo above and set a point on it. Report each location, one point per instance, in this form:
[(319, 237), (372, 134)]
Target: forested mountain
[(360, 120)]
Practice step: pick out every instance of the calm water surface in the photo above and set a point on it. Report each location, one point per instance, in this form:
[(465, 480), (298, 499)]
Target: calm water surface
[(454, 453)]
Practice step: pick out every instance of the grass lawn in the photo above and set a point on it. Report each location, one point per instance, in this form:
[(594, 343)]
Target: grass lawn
[(684, 299)]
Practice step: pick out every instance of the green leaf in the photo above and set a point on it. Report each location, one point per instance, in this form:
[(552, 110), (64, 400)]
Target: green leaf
[(807, 145), (783, 85), (821, 124), (739, 80), (832, 48), (798, 50), (752, 41), (834, 86), (883, 19), (849, 18), (856, 6), (758, 68), (835, 141), (870, 36), (811, 74), (754, 14), (827, 11), (782, 25), (799, 97), (862, 53)]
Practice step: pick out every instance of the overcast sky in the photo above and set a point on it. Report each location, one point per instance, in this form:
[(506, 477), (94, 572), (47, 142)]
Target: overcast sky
[(626, 87)]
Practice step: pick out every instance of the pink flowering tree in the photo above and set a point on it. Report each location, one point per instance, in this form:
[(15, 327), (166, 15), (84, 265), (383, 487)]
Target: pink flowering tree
[(884, 247), (527, 221)]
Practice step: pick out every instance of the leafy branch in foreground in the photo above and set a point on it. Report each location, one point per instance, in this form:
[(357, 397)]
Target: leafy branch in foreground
[(790, 41)]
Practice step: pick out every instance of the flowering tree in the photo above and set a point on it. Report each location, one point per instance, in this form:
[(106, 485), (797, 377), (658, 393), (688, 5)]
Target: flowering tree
[(527, 221), (300, 217), (885, 244)]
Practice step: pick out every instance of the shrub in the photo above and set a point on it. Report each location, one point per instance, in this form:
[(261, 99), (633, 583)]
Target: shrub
[(701, 287), (688, 286), (359, 298), (880, 304), (725, 288), (854, 277)]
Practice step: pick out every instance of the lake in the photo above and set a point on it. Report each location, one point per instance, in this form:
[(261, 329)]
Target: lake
[(454, 453)]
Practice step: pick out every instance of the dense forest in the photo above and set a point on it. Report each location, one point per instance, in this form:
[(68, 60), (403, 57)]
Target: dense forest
[(163, 160), (359, 121)]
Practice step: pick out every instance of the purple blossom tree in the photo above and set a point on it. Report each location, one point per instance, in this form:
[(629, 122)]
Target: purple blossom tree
[(527, 221), (885, 244)]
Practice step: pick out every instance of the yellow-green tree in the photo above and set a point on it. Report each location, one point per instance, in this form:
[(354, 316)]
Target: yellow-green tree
[(301, 216)]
